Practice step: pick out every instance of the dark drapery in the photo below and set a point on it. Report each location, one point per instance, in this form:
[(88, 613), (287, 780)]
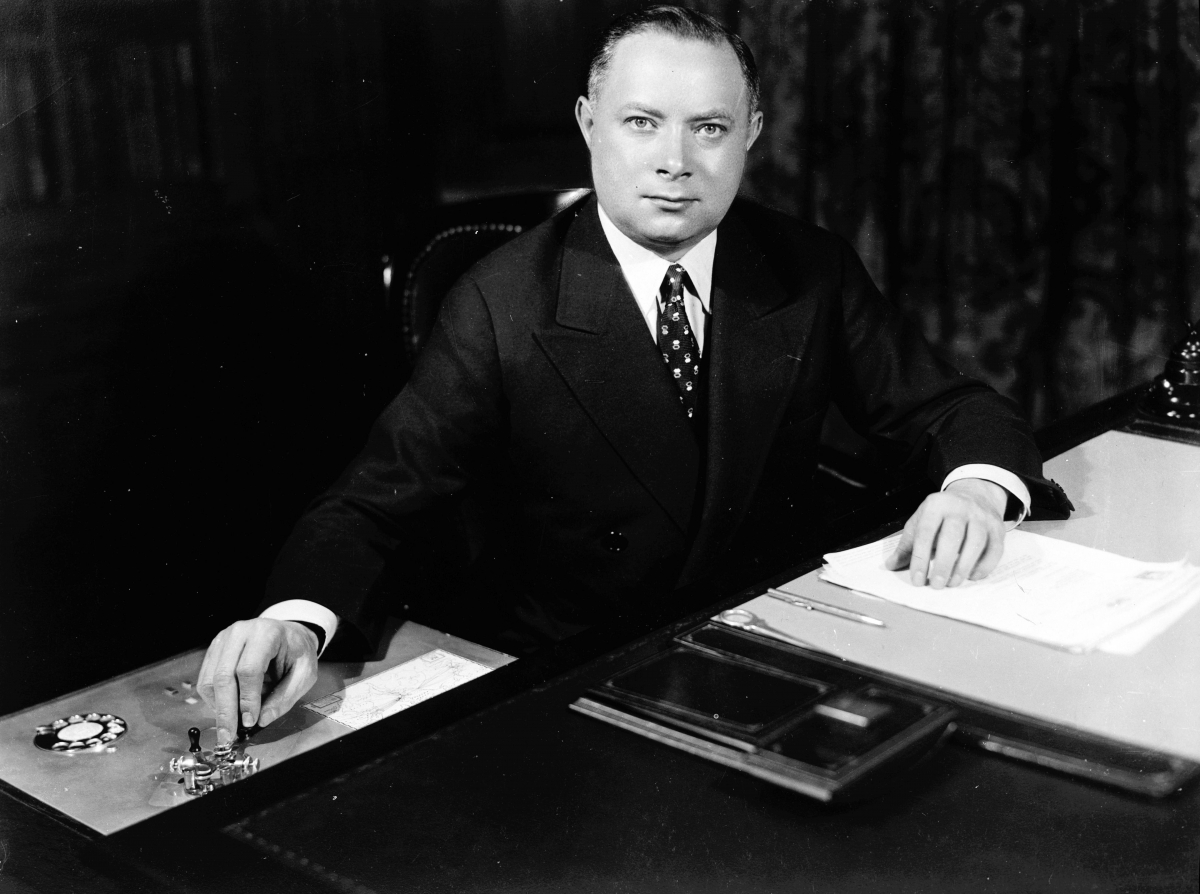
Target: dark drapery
[(1023, 177)]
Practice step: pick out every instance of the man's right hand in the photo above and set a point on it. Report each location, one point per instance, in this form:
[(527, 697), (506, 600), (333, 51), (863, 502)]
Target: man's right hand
[(248, 656)]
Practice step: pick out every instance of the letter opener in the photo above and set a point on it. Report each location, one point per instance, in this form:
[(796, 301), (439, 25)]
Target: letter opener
[(815, 606)]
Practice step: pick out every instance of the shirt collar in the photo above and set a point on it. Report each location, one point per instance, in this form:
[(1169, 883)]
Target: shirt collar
[(644, 270)]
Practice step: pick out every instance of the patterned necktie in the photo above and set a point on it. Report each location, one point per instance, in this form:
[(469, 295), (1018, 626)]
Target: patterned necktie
[(680, 352)]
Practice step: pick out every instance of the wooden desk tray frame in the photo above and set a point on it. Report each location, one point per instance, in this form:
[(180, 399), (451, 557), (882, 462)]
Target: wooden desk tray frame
[(997, 731)]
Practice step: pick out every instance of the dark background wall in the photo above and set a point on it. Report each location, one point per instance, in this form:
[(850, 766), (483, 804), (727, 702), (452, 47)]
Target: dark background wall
[(195, 200), (1022, 176), (196, 197)]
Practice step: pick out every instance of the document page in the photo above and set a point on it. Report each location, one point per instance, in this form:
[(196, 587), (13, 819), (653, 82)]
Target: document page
[(1044, 589), (390, 691)]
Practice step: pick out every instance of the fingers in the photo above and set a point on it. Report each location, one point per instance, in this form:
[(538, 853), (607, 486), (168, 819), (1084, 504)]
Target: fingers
[(234, 668), (951, 533), (225, 684), (949, 539), (258, 651), (927, 522), (298, 680), (973, 546), (991, 556), (217, 683), (903, 552)]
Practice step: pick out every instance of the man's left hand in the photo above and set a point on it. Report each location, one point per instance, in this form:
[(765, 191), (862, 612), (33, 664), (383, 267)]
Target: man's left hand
[(954, 535)]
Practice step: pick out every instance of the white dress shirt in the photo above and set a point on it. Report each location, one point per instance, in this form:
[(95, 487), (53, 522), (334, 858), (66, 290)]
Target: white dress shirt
[(644, 272)]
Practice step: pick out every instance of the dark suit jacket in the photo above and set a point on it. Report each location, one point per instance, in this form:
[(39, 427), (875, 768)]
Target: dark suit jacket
[(541, 411)]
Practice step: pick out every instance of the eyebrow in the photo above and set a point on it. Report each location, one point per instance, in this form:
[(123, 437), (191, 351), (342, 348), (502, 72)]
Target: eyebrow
[(713, 115), (643, 110), (709, 115)]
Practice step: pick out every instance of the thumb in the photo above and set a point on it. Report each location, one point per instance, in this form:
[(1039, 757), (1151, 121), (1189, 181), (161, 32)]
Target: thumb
[(298, 680)]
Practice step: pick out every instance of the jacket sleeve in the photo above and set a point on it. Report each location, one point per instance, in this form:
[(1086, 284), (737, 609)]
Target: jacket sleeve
[(421, 448), (921, 412)]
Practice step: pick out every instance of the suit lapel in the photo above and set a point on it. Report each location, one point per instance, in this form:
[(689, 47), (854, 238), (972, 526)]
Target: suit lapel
[(602, 349), (759, 340)]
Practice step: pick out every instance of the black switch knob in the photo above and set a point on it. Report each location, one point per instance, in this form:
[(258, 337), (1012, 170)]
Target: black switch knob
[(194, 739)]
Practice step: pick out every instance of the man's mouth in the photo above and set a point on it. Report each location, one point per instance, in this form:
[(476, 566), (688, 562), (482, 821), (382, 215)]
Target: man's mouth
[(670, 202)]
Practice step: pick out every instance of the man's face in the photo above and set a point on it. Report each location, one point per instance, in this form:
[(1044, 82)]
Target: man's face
[(668, 133)]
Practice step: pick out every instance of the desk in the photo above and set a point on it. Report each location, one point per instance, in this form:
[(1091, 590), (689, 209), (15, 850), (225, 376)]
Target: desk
[(1127, 491), (107, 792), (524, 795), (543, 800)]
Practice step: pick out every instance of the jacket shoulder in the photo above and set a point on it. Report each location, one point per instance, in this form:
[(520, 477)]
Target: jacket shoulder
[(801, 254), (776, 232)]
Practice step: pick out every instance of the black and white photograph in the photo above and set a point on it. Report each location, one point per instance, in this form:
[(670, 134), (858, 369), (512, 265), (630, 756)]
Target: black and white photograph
[(537, 446)]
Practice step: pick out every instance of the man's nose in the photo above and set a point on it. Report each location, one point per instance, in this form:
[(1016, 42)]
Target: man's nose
[(674, 159)]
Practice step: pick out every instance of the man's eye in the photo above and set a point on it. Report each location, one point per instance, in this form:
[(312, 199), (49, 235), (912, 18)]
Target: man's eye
[(712, 130), (639, 123)]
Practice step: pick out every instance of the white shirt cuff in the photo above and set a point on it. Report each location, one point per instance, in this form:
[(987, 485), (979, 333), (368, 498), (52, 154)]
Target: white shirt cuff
[(304, 610), (996, 475)]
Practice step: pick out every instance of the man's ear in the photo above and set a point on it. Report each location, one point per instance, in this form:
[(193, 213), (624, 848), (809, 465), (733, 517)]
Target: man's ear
[(755, 129), (585, 119)]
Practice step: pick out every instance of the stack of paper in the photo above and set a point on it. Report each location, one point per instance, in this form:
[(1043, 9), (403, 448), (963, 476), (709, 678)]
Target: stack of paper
[(1044, 589)]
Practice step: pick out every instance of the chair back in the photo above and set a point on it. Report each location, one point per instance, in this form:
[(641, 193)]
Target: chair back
[(466, 232)]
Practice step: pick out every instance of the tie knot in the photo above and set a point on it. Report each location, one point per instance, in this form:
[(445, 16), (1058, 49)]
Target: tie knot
[(673, 283)]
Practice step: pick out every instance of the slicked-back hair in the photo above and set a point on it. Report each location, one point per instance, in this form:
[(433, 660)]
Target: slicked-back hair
[(686, 24)]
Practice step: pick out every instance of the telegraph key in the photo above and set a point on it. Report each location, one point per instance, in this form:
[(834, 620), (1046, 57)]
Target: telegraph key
[(204, 771)]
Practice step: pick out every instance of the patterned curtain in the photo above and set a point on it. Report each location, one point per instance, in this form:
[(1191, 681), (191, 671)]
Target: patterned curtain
[(1022, 177)]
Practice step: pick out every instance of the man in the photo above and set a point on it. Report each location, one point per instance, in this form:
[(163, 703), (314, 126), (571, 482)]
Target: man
[(632, 393)]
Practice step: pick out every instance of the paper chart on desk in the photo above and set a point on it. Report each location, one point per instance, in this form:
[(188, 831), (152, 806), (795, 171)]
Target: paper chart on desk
[(1044, 589), (391, 691)]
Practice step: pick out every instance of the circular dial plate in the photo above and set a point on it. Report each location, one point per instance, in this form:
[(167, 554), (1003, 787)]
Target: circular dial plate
[(80, 732)]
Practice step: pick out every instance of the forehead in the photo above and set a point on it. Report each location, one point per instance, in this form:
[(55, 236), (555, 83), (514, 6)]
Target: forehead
[(658, 69)]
